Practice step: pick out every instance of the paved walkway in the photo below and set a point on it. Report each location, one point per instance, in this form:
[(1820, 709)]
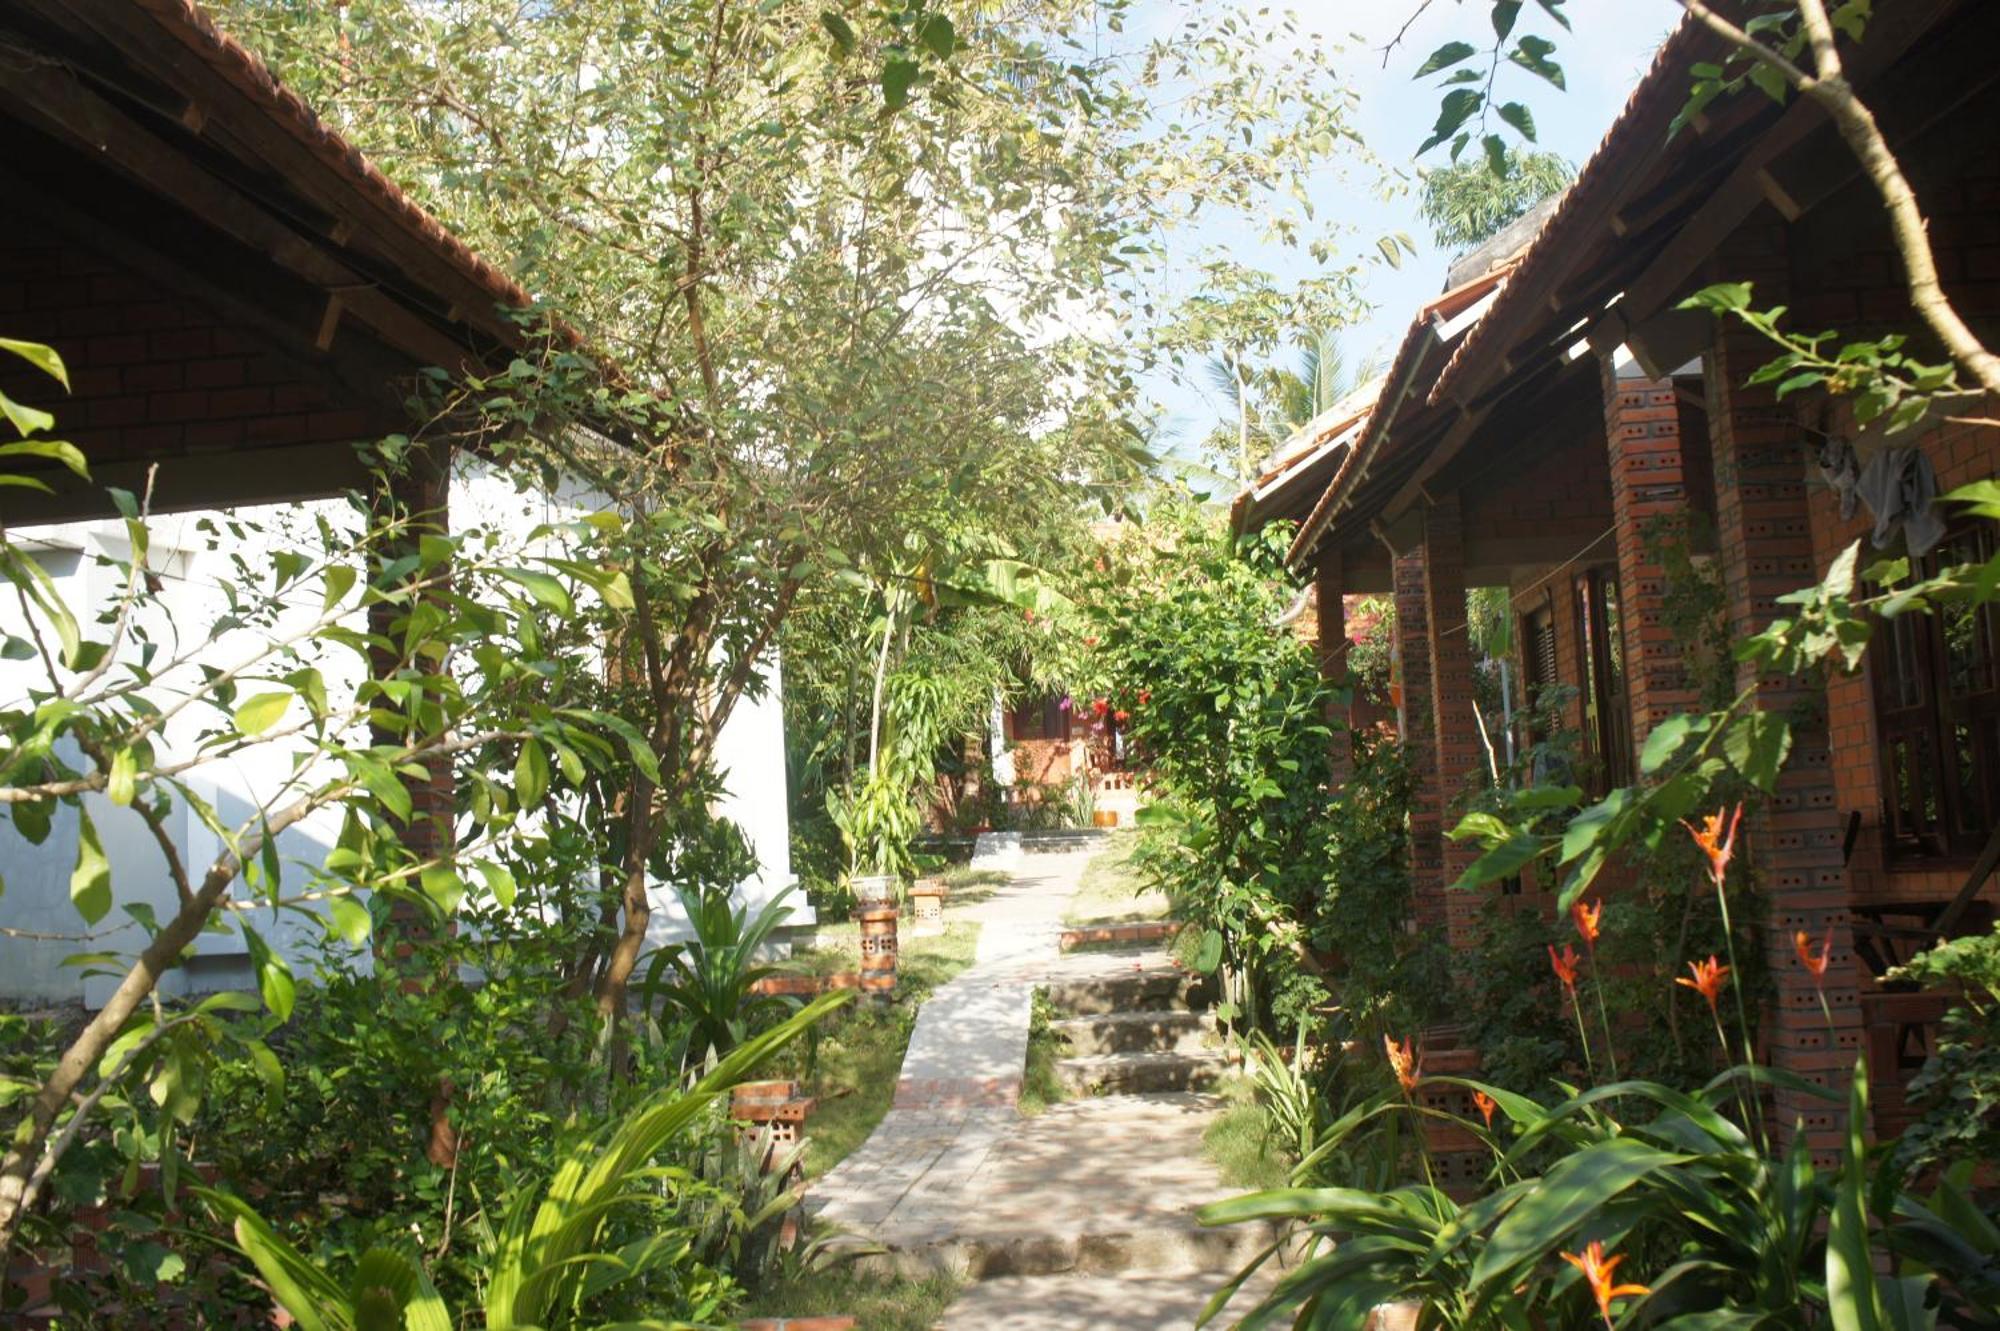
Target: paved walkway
[(1078, 1218), (961, 1077)]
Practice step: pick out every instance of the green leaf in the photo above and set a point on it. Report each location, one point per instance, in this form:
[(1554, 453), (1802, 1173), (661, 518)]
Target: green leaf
[(1664, 742), (122, 781), (1210, 954), (1451, 53), (43, 358), (500, 883), (1517, 115), (298, 1286), (1505, 12), (260, 712), (840, 30), (274, 975), (1575, 1188), (442, 885), (67, 454), (531, 773), (547, 591), (90, 880), (340, 579), (899, 75), (1456, 107), (1756, 745), (1496, 155), (1532, 54), (1852, 1303), (349, 919), (936, 32), (1502, 861)]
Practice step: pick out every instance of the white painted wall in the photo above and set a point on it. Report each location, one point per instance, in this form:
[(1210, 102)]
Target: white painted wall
[(751, 755)]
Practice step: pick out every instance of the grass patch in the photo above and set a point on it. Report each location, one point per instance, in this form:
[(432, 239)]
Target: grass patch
[(1039, 1086), (1239, 1142), (1111, 890), (966, 876), (856, 1059), (878, 1303)]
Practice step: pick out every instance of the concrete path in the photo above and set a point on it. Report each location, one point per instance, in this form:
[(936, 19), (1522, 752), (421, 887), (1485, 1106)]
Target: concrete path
[(1079, 1218), (961, 1076)]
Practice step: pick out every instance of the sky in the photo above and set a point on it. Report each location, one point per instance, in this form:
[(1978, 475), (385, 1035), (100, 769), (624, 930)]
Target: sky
[(1603, 57)]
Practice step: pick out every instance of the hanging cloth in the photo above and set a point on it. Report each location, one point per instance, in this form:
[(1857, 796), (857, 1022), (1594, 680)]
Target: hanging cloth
[(1842, 470), (1900, 488)]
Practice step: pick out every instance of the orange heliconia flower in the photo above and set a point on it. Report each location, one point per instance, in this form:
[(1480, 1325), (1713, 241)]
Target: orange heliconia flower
[(1714, 843), (1564, 965), (1802, 943), (1708, 978), (1598, 1272), (1485, 1104), (1586, 915), (1403, 1062)]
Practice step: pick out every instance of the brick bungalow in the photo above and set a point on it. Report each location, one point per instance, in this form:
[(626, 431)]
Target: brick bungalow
[(1532, 436)]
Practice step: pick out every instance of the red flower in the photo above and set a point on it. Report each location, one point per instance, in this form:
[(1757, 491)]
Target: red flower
[(1802, 944), (1708, 978), (1586, 917), (1145, 696), (1100, 706), (1486, 1105), (1403, 1063), (1718, 847), (1121, 716), (1564, 965), (1598, 1273), (1090, 642)]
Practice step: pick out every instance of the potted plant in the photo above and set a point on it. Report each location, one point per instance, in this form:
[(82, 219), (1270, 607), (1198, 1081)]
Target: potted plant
[(877, 822)]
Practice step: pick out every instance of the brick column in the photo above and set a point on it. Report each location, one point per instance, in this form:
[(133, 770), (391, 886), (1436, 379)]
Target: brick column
[(420, 491), (1461, 756), (1648, 487), (1331, 645), (1413, 654), (1765, 545)]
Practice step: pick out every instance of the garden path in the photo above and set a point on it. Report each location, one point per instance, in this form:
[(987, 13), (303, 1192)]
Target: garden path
[(954, 1178)]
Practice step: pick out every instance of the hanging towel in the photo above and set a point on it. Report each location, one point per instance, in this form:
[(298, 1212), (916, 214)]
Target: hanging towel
[(1900, 489)]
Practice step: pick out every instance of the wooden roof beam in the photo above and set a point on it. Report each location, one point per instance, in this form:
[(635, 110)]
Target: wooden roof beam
[(58, 101)]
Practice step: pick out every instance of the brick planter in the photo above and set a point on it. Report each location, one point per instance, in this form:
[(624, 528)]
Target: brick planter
[(878, 951), (807, 986), (927, 905)]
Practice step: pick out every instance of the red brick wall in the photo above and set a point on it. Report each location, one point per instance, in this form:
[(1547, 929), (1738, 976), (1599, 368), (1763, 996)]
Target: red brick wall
[(1857, 288), (1455, 727), (1766, 549)]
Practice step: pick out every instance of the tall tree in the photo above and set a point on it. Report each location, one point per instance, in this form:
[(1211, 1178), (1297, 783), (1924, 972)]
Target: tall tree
[(1468, 202), (857, 269)]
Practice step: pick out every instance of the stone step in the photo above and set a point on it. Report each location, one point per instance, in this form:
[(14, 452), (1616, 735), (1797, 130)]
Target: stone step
[(1127, 1302), (1126, 982), (1164, 1031), (1143, 1074), (1173, 1248), (1112, 933)]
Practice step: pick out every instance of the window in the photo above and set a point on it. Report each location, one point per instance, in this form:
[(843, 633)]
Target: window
[(1607, 711), (1041, 718), (1937, 716)]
